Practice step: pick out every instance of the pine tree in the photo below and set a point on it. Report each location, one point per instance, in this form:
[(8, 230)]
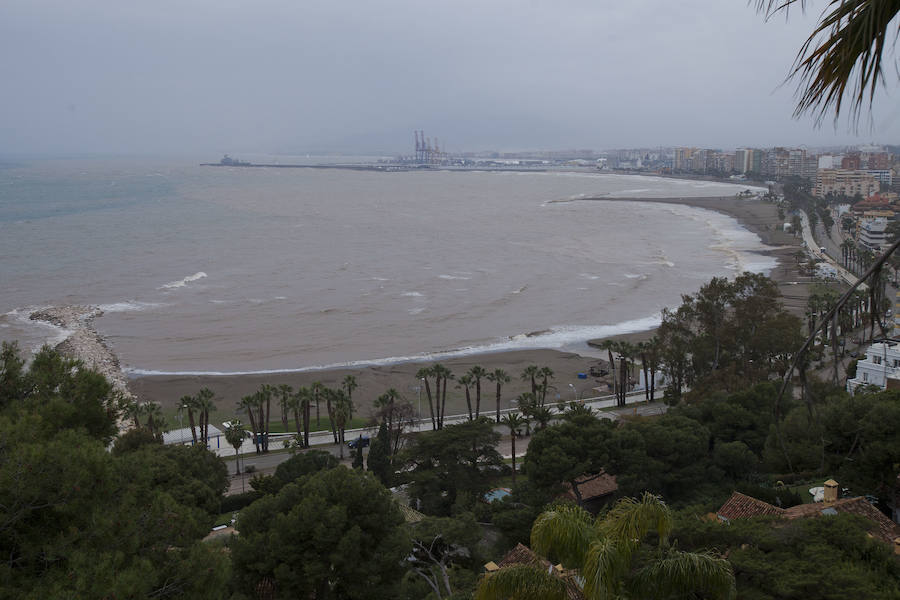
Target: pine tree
[(379, 462)]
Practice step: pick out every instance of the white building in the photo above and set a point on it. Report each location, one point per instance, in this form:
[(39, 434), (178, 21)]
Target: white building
[(872, 234), (880, 366)]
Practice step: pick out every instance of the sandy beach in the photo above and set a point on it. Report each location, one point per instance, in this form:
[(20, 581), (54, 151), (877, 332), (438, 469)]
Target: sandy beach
[(757, 216)]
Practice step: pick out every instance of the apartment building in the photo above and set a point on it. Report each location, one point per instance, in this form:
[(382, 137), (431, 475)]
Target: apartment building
[(844, 182)]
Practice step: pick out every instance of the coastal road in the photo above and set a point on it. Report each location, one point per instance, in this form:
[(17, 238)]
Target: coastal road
[(604, 408), (813, 248)]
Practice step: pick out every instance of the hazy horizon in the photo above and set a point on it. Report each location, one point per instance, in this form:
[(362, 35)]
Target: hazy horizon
[(275, 77)]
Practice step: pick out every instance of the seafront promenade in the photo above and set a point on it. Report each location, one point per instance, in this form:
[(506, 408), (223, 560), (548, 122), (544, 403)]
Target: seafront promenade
[(599, 404)]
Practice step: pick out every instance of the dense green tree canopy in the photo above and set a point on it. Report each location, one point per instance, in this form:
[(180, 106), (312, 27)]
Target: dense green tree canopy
[(832, 558), (79, 522), (449, 465), (61, 390), (564, 451), (334, 534)]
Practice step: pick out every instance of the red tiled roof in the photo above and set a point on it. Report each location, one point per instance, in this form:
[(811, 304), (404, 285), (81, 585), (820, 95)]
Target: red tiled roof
[(523, 555), (885, 529), (593, 486), (741, 506)]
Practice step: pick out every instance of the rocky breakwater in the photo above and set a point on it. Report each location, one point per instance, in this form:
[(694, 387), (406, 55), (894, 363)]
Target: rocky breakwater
[(86, 345)]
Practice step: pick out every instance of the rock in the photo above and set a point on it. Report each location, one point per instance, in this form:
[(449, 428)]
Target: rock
[(86, 345)]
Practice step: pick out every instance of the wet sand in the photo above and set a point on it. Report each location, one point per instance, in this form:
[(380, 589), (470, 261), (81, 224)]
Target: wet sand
[(757, 216)]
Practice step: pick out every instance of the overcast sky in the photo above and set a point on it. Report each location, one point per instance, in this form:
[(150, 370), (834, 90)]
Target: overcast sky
[(286, 76)]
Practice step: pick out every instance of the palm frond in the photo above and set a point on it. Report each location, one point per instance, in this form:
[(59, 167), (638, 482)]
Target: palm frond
[(605, 566), (842, 58), (683, 573), (521, 582), (630, 519), (563, 532)]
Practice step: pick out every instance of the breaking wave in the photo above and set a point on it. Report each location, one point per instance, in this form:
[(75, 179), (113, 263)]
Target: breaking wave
[(172, 285)]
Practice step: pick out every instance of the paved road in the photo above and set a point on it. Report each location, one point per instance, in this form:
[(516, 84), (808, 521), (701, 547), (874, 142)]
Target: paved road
[(813, 247), (266, 463)]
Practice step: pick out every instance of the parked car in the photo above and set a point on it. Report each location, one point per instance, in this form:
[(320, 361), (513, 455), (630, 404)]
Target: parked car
[(360, 442)]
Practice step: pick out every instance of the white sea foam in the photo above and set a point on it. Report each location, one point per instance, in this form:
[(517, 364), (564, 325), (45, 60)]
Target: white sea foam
[(415, 311), (129, 306), (182, 282), (553, 339), (412, 295), (452, 277), (54, 334)]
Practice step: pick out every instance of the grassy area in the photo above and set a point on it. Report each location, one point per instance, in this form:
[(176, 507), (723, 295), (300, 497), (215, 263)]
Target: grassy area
[(223, 519)]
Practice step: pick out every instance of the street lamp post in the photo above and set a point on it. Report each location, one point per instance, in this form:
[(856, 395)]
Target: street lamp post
[(574, 393)]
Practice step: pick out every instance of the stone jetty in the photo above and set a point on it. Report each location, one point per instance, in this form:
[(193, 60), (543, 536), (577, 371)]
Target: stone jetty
[(86, 345)]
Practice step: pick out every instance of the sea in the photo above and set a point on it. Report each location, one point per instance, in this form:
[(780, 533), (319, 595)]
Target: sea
[(212, 270)]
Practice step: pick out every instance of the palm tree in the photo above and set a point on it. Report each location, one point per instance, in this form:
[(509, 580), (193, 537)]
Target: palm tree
[(156, 423), (247, 404), (499, 377), (527, 404), (477, 373), (316, 389), (284, 391), (530, 374), (343, 408), (189, 404), (465, 382), (424, 374), (133, 411), (328, 393), (442, 376), (349, 384), (576, 409), (306, 397), (546, 374), (514, 422), (542, 415), (234, 435), (844, 50), (205, 404), (295, 405), (266, 392), (611, 557)]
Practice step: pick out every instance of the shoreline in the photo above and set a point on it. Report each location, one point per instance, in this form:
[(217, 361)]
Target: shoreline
[(755, 215)]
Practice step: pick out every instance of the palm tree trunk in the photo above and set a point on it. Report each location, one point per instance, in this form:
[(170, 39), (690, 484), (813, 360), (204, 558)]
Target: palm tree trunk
[(307, 409), (191, 421), (498, 401), (253, 427), (468, 403), (443, 402), (430, 403), (615, 376), (437, 401), (330, 410), (268, 416), (513, 439), (477, 397)]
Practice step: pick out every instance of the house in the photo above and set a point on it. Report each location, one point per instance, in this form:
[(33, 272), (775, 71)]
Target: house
[(741, 506), (591, 490), (523, 555), (880, 367)]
